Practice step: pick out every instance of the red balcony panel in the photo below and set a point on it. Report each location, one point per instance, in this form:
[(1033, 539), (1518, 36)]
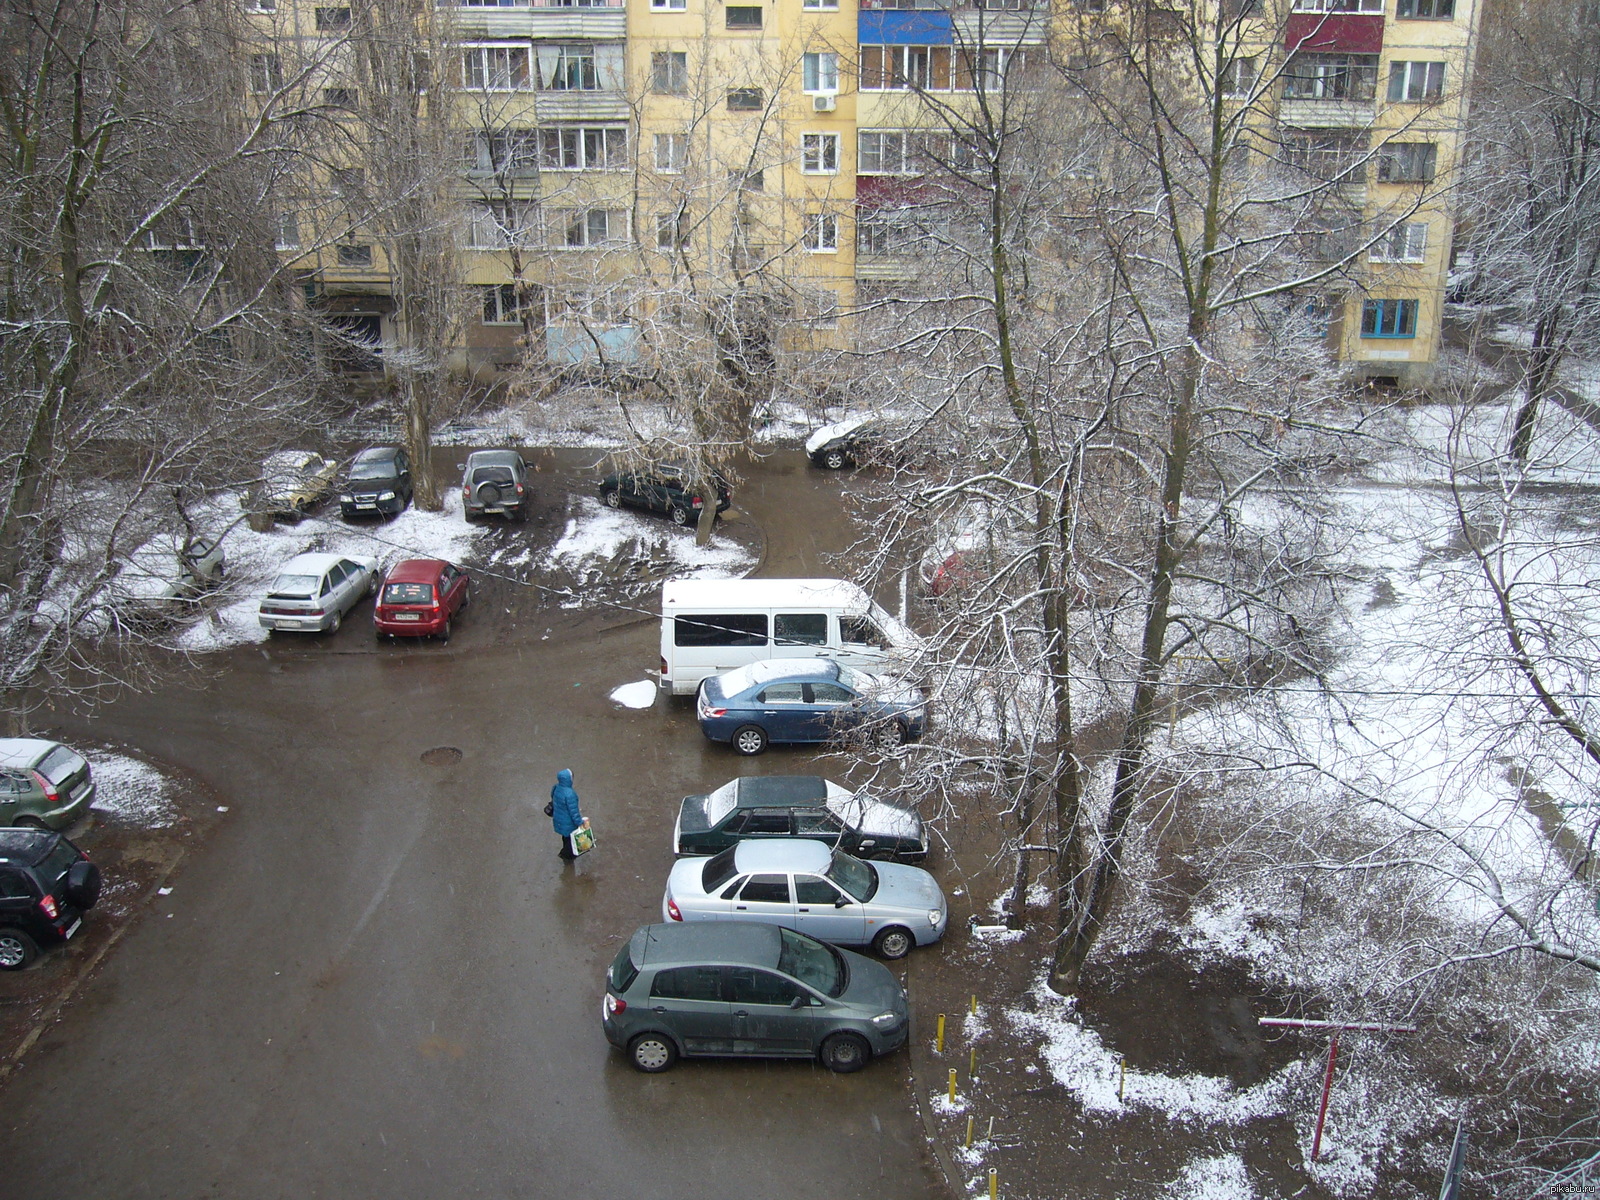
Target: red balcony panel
[(1335, 33)]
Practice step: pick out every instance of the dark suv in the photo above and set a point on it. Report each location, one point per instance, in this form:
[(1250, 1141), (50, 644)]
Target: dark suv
[(662, 489), (378, 484), (46, 885)]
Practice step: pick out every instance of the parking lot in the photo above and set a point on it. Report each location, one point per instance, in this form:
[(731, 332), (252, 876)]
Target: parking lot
[(374, 977)]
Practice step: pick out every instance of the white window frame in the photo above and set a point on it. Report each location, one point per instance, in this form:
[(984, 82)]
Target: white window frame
[(819, 5), (672, 230), (1416, 81), (673, 60), (671, 153), (821, 234), (288, 235), (488, 69), (1406, 242), (819, 72), (668, 5), (566, 220), (583, 147), (505, 313), (501, 225), (261, 6), (819, 153), (565, 60), (1239, 77), (1338, 6), (266, 73)]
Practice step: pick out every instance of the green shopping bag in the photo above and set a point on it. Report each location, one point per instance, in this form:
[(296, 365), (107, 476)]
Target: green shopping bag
[(582, 839)]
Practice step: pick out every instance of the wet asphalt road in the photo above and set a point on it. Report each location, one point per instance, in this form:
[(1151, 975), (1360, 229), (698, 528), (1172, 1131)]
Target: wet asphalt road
[(376, 979)]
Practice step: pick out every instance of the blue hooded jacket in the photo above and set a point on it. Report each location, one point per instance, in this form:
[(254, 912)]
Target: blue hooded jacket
[(566, 817)]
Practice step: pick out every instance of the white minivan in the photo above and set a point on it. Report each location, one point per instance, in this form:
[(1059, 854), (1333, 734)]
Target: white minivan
[(713, 625)]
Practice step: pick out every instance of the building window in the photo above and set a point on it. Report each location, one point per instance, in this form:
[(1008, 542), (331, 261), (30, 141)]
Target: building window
[(822, 233), (496, 69), (745, 99), (339, 97), (819, 153), (1338, 6), (672, 230), (1238, 77), (988, 69), (1389, 319), (502, 305), (672, 151), (889, 68), (333, 18), (583, 228), (667, 5), (354, 256), (1407, 162), (261, 6), (754, 180), (599, 148), (669, 72), (907, 152), (498, 226), (819, 72), (349, 182), (266, 73), (1416, 80), (743, 16), (1401, 243), (502, 151), (820, 5), (288, 232), (1328, 155), (1434, 10), (569, 69), (1331, 77)]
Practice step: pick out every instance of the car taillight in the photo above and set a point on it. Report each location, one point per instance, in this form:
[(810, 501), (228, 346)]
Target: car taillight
[(615, 1005), (519, 489), (48, 907), (466, 493), (672, 910), (695, 501), (49, 788), (663, 666), (713, 712)]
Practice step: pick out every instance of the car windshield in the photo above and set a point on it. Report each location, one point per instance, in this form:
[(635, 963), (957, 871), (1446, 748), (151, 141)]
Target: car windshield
[(371, 471), (854, 680), (720, 802), (295, 585), (813, 963), (854, 876), (623, 971), (408, 593), (491, 475), (718, 870), (58, 862)]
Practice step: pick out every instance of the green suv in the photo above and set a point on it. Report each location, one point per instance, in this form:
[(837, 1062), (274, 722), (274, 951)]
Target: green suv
[(749, 990), (42, 783)]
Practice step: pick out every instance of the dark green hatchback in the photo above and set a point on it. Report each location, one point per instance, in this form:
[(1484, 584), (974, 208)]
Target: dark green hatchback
[(807, 806)]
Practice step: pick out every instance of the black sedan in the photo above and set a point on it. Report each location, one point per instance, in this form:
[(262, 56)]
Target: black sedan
[(663, 489), (807, 806)]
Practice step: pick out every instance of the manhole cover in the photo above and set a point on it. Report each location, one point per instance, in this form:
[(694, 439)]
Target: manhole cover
[(441, 756)]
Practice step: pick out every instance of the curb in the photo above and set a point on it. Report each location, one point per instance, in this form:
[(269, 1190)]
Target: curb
[(930, 1133)]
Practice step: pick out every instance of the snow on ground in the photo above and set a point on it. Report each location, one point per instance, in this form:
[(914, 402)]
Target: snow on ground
[(636, 695), (131, 791), (1221, 1178), (254, 559), (596, 535)]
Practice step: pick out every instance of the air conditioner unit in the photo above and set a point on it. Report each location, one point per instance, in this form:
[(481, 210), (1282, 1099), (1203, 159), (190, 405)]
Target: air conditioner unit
[(825, 102)]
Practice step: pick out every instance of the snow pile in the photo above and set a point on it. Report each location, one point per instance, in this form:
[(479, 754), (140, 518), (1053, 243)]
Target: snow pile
[(635, 695), (606, 542), (131, 791), (1220, 1178)]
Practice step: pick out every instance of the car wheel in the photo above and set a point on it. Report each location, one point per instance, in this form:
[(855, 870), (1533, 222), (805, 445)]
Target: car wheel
[(834, 460), (652, 1053), (679, 514), (750, 739), (466, 598), (338, 620), (845, 1052), (16, 950), (612, 498), (372, 584), (893, 943), (444, 634), (889, 735)]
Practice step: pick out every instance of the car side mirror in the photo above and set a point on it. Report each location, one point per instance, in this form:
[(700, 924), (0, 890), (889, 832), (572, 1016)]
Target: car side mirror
[(461, 466), (798, 1002), (841, 902)]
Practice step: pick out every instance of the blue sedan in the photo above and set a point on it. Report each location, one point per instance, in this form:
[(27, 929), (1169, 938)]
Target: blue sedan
[(806, 700)]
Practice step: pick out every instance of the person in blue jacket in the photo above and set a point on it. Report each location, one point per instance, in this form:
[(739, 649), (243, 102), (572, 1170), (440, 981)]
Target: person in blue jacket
[(564, 814)]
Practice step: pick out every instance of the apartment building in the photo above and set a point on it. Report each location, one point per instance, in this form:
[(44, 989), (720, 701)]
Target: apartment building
[(600, 150)]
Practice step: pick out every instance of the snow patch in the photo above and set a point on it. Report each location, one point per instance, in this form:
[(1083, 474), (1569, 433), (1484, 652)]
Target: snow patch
[(131, 791), (636, 695)]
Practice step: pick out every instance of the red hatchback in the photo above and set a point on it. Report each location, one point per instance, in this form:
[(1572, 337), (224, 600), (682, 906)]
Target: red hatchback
[(421, 598)]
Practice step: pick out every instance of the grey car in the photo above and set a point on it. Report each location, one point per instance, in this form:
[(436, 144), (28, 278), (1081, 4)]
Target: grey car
[(758, 991), (314, 592), (495, 482), (801, 884)]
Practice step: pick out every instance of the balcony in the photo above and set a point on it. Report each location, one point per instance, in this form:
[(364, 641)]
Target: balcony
[(581, 106), (539, 19), (1326, 114)]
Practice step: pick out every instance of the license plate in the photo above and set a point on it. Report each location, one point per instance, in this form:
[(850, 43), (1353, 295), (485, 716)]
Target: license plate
[(374, 505), (73, 928), (408, 616)]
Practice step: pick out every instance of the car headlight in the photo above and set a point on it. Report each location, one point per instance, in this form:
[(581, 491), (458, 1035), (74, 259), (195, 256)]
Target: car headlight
[(885, 1019), (935, 915), (386, 496), (347, 499)]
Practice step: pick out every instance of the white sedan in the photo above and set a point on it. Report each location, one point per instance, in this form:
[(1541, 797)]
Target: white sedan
[(313, 592), (804, 885)]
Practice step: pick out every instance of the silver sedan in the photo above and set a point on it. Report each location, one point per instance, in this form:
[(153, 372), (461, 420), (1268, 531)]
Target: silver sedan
[(804, 885)]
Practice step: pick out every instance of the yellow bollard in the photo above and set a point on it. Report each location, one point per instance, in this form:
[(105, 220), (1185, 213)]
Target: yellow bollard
[(1122, 1077), (972, 1063), (974, 1008), (952, 1085), (969, 1131), (938, 1041), (994, 1183)]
